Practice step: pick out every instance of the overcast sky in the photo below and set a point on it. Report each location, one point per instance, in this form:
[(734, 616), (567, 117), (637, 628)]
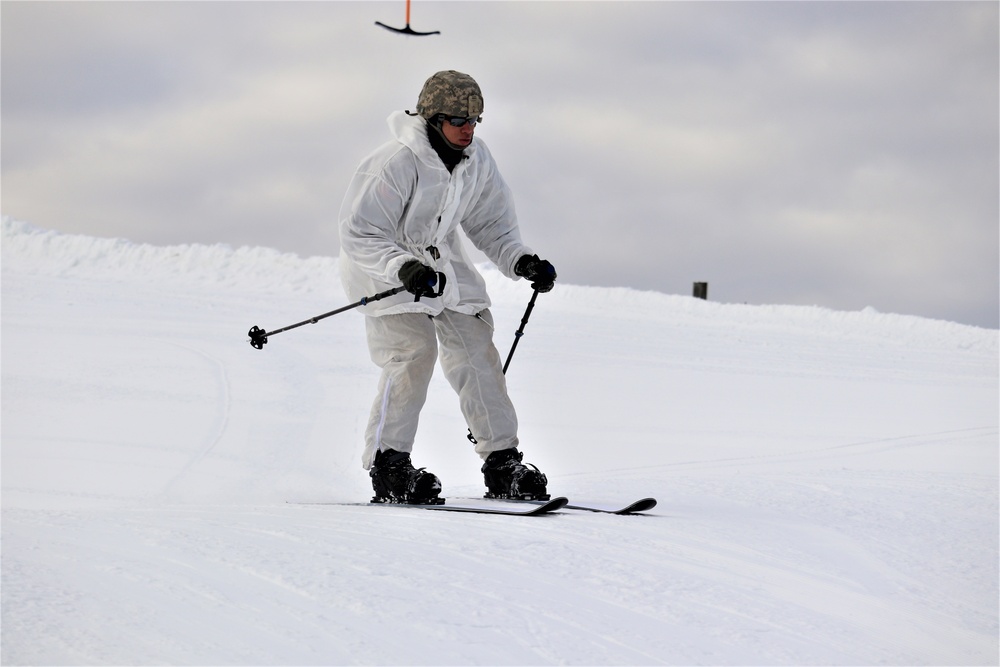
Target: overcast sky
[(840, 154)]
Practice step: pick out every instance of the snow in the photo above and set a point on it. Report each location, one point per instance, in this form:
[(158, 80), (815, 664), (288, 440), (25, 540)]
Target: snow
[(827, 481)]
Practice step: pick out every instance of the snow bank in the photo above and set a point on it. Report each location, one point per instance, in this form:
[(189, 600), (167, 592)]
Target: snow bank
[(29, 249)]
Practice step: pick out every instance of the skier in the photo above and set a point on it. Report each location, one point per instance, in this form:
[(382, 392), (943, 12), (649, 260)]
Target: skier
[(399, 224)]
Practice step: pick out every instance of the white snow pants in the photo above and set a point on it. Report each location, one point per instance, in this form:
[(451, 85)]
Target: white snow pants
[(405, 347)]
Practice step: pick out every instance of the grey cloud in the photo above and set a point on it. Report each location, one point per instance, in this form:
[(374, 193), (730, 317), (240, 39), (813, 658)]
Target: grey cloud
[(838, 154)]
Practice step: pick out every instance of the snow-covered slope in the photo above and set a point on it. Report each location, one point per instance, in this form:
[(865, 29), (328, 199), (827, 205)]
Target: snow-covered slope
[(827, 480)]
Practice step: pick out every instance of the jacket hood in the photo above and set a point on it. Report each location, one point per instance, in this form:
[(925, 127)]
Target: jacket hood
[(411, 131)]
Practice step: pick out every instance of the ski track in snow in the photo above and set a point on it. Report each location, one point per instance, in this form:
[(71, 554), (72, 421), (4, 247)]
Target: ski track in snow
[(827, 482), (217, 431)]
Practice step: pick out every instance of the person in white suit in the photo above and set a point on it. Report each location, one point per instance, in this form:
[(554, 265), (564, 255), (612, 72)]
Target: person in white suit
[(399, 224)]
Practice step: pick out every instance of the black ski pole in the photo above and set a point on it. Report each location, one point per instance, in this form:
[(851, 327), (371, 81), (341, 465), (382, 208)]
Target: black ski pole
[(517, 338), (520, 330), (258, 337)]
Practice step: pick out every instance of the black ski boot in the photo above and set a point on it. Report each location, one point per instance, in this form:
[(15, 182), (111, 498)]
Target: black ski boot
[(395, 480), (506, 477)]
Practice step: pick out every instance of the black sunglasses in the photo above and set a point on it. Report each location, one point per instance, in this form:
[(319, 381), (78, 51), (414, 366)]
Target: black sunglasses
[(458, 121)]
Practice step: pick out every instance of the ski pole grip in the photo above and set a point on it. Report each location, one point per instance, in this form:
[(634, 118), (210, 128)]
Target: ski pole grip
[(439, 282)]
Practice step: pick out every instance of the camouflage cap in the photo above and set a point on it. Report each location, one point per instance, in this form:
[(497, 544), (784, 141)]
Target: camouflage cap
[(451, 93)]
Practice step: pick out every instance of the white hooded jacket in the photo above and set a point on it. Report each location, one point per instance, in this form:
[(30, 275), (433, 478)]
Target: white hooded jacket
[(403, 204)]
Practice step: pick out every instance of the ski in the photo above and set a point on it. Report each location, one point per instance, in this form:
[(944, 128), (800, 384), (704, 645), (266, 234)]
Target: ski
[(538, 508), (515, 507), (636, 507)]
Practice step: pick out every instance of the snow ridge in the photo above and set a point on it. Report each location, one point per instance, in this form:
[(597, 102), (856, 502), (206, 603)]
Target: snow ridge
[(29, 249)]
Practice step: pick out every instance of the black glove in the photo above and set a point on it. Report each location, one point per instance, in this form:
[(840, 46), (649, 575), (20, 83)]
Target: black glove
[(418, 278), (539, 271)]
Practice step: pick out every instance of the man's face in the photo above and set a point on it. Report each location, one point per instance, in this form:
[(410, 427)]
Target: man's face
[(459, 136)]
